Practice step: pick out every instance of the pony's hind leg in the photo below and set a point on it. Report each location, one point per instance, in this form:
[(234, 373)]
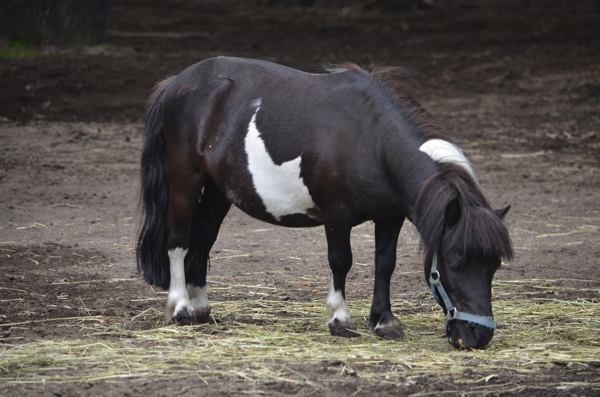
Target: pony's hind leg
[(179, 310), (339, 254), (382, 322), (206, 223), (185, 185)]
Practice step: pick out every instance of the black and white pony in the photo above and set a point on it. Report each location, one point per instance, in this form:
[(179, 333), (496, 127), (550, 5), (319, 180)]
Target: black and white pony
[(297, 149)]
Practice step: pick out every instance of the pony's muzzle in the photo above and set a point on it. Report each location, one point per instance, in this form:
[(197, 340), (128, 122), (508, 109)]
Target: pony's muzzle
[(467, 335)]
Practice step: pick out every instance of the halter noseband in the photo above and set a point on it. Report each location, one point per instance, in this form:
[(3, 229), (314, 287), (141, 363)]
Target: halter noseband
[(452, 313)]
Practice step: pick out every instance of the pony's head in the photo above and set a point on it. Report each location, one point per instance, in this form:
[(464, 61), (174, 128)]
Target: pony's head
[(465, 241)]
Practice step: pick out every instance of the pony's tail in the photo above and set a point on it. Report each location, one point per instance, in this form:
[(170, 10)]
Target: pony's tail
[(152, 256)]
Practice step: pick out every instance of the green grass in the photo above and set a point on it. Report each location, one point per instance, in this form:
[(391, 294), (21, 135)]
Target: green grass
[(16, 48), (24, 49)]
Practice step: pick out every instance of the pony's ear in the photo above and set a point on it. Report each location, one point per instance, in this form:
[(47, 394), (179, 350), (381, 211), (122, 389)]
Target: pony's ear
[(502, 212), (453, 212)]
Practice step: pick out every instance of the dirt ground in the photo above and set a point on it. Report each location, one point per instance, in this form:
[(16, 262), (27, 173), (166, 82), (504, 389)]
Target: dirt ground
[(518, 83)]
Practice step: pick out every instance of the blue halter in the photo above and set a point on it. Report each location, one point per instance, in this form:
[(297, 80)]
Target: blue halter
[(435, 283)]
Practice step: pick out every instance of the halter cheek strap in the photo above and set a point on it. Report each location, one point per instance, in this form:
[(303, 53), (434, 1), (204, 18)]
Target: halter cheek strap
[(435, 282)]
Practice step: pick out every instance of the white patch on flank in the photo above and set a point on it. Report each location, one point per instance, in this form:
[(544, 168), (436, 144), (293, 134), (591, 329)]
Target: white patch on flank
[(337, 307), (178, 298), (280, 187), (198, 299), (445, 152)]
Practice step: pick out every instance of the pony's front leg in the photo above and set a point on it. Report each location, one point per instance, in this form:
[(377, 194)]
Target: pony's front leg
[(339, 320), (382, 322)]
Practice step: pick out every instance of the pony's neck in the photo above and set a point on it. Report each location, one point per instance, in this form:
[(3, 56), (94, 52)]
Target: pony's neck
[(409, 169), (417, 163)]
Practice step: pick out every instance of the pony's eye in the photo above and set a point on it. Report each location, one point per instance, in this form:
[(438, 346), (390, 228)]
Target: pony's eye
[(456, 265)]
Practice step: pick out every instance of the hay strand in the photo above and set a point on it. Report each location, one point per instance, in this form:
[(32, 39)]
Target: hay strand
[(256, 343)]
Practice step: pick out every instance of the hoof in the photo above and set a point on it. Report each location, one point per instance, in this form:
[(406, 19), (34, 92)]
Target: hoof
[(345, 330), (390, 331), (203, 317), (185, 316)]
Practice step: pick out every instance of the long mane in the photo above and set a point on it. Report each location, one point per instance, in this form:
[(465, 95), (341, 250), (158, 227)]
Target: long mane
[(402, 89), (479, 232)]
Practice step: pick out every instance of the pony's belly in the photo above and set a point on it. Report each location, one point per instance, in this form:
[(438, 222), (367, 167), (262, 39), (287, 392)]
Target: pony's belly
[(291, 220), (244, 196)]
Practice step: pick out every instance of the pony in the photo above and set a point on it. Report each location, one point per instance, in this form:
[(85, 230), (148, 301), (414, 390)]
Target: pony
[(298, 149)]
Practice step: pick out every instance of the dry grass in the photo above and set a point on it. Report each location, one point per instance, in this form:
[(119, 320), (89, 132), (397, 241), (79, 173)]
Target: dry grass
[(260, 340)]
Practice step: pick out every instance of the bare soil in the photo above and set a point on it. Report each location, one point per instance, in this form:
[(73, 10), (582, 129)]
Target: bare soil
[(517, 82)]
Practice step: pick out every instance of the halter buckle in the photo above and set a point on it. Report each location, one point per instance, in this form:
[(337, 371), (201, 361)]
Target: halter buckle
[(452, 313)]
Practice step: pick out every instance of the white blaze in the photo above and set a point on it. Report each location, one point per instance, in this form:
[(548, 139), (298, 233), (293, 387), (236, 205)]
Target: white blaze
[(280, 187)]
